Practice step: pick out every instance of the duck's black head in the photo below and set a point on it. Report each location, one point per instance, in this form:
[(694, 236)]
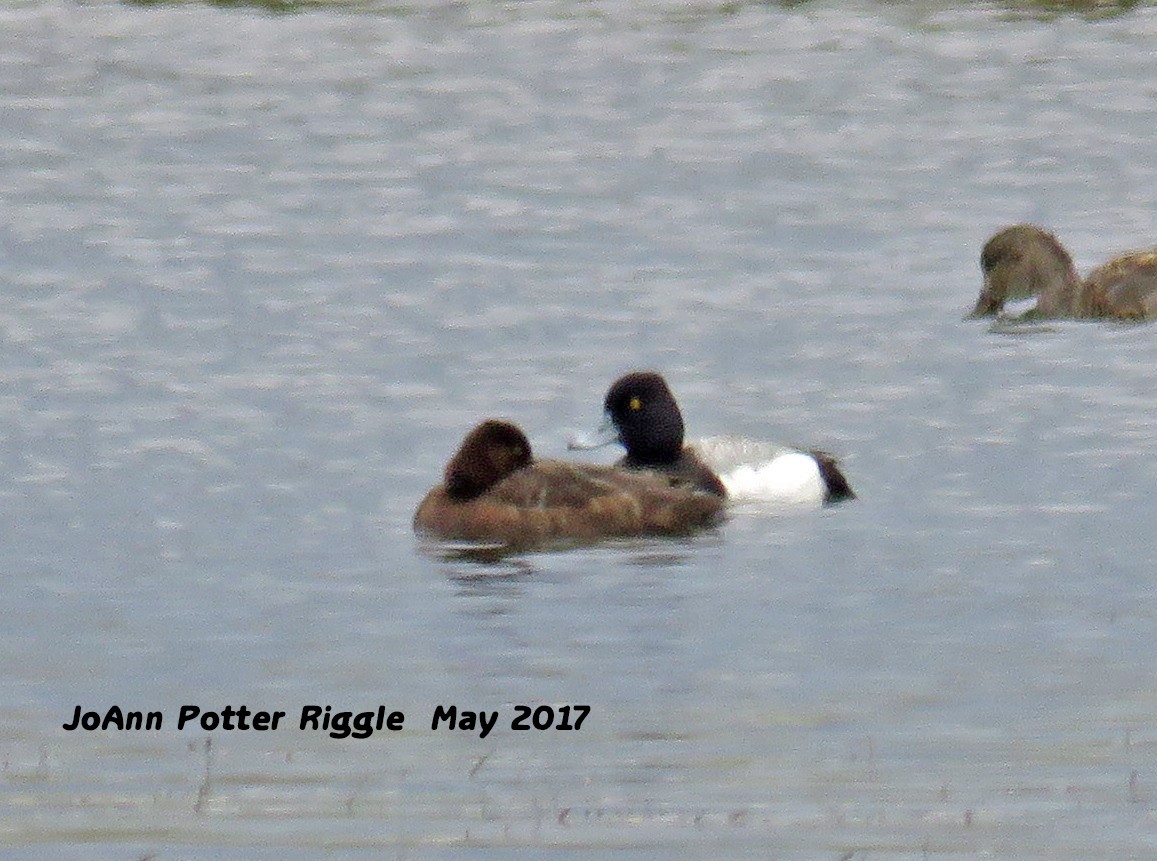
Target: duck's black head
[(489, 453), (647, 419)]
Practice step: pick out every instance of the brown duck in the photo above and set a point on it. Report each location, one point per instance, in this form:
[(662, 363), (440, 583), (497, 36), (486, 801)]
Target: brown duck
[(494, 491), (1024, 261)]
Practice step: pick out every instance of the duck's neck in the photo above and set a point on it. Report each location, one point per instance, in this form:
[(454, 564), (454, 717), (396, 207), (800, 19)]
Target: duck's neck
[(651, 457)]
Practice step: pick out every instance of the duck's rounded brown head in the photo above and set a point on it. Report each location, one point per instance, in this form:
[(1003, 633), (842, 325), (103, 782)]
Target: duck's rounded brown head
[(1024, 261), (490, 452)]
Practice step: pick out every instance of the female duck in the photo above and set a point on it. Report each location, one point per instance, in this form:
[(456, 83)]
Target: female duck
[(495, 491), (1024, 261), (643, 416)]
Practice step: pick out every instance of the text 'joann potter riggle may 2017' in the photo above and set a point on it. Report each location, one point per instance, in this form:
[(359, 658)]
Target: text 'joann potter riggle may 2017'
[(335, 723)]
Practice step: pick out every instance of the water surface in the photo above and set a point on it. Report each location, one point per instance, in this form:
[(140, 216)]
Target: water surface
[(263, 272)]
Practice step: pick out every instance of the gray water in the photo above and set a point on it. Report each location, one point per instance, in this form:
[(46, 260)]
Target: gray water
[(261, 273)]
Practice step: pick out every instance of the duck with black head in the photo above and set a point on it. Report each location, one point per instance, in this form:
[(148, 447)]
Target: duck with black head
[(495, 491), (1025, 262), (644, 417)]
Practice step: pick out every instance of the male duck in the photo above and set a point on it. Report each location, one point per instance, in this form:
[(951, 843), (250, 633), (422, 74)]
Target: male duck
[(1024, 261), (494, 491), (643, 416)]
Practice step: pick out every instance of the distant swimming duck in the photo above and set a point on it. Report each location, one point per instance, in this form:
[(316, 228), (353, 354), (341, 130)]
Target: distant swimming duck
[(1024, 261), (643, 416), (495, 491)]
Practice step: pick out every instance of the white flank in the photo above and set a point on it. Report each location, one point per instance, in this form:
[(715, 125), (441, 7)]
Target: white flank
[(763, 472)]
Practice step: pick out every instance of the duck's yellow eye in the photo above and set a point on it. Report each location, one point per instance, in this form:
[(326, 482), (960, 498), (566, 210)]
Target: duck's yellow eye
[(635, 404)]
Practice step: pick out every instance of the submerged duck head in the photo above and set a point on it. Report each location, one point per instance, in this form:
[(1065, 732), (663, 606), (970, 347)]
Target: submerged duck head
[(646, 419), (1022, 262), (488, 454)]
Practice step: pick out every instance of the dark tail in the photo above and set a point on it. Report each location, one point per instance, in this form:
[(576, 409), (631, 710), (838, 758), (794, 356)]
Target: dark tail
[(838, 489)]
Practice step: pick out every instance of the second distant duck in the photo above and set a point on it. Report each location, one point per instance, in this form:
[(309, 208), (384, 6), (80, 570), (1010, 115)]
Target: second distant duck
[(1025, 262), (643, 416)]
